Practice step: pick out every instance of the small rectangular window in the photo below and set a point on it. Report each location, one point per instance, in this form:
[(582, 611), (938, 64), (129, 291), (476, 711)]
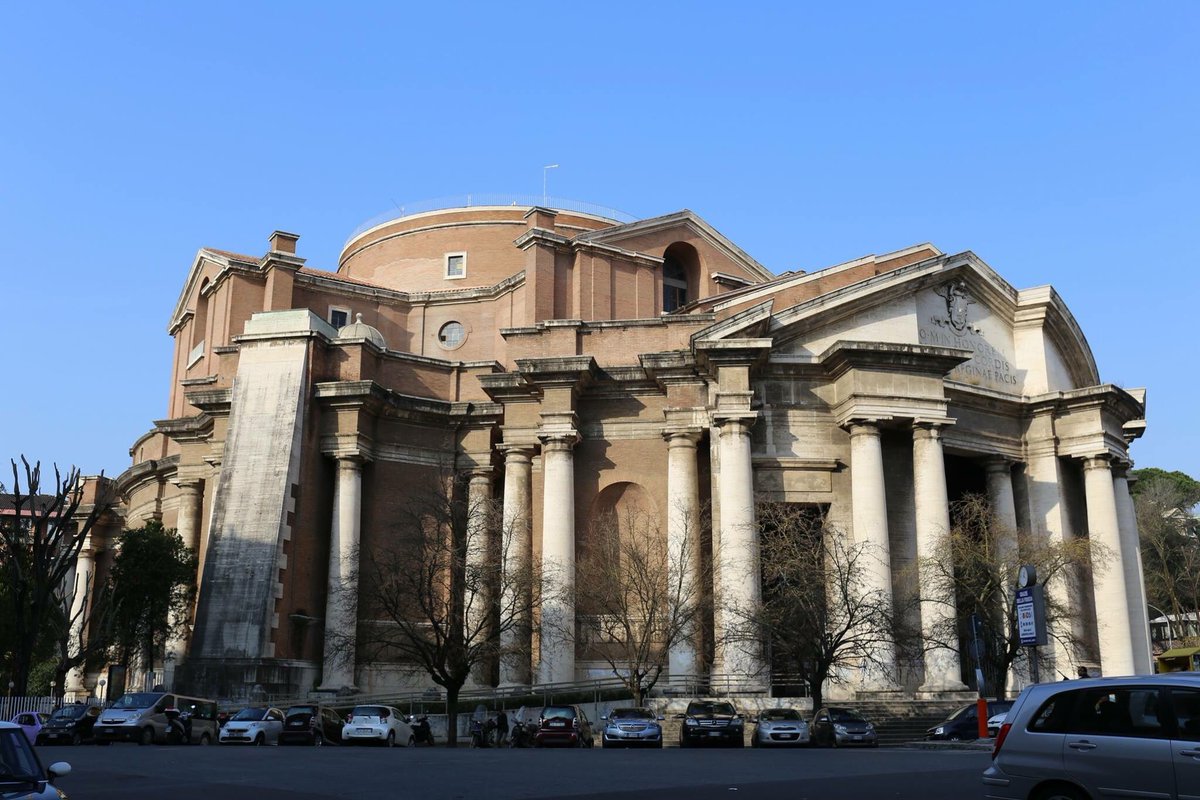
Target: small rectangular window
[(339, 317), (456, 265)]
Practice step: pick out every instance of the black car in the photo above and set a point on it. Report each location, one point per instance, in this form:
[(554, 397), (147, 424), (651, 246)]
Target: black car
[(311, 724), (963, 724), (839, 727), (711, 722), (71, 724)]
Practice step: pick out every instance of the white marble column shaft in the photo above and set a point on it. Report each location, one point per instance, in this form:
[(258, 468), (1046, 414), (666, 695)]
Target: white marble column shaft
[(933, 525), (1108, 571), (683, 545), (1135, 587), (869, 508), (478, 551), (187, 525), (1002, 500), (557, 663), (739, 579), (85, 570), (517, 554), (341, 604)]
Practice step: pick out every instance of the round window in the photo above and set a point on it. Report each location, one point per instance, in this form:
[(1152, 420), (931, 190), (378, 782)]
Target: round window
[(452, 335)]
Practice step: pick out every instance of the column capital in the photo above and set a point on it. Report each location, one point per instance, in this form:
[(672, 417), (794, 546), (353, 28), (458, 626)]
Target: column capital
[(187, 484), (1121, 467), (1098, 461), (682, 436), (514, 452), (559, 441), (351, 461), (862, 426), (734, 422), (998, 464)]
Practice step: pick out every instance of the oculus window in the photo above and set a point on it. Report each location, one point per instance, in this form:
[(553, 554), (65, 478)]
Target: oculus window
[(452, 335)]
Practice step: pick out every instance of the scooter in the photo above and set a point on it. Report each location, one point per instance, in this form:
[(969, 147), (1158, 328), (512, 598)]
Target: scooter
[(422, 734), (481, 732), (179, 726), (522, 734)]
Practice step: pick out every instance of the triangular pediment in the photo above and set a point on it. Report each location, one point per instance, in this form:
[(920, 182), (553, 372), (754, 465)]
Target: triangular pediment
[(1024, 342), (207, 263)]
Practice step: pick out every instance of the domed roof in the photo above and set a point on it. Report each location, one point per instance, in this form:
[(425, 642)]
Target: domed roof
[(361, 330)]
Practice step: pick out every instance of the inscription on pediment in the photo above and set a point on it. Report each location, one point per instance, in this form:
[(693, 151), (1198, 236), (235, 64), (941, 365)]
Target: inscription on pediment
[(950, 317)]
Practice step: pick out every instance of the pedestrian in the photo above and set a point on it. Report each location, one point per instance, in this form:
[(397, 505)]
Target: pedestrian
[(501, 726), (1083, 672)]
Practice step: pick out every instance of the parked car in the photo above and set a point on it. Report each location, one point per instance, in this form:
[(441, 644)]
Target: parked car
[(311, 724), (253, 725), (31, 723), (563, 725), (23, 776), (780, 726), (994, 722), (377, 725), (71, 724), (963, 724), (711, 722), (142, 717), (839, 727), (1100, 737), (636, 727)]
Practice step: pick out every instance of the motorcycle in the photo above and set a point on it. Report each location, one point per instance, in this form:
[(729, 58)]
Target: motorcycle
[(422, 733), (179, 726), (522, 734), (482, 732)]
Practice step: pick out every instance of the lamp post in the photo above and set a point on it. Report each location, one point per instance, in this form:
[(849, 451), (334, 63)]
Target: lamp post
[(53, 694), (545, 170), (101, 685), (1170, 636)]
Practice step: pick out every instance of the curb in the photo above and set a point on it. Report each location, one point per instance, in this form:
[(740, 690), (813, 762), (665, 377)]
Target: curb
[(981, 745)]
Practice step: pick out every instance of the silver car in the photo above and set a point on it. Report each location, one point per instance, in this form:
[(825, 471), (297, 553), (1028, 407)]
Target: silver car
[(780, 726), (22, 776), (257, 726), (1103, 737), (626, 727)]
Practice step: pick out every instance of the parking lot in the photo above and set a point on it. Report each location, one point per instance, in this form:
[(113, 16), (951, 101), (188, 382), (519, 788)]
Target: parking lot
[(231, 773)]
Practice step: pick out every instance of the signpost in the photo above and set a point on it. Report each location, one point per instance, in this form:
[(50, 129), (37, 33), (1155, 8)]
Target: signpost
[(1031, 615)]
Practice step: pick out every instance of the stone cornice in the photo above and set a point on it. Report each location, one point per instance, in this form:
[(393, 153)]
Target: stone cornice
[(536, 236), (332, 281), (577, 372), (843, 356), (151, 470), (211, 401), (197, 428)]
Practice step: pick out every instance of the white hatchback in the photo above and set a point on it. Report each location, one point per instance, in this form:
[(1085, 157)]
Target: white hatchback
[(378, 725)]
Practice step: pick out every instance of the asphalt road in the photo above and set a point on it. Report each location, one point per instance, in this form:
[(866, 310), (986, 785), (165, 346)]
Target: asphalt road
[(304, 773)]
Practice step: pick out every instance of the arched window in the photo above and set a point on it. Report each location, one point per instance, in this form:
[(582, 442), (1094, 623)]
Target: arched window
[(675, 285)]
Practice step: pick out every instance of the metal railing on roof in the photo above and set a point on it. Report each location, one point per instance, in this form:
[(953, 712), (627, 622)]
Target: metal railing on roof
[(403, 210)]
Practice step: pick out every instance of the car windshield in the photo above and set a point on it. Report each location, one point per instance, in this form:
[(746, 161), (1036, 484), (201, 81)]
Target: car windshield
[(963, 713), (779, 714), (369, 711), (844, 715), (558, 712), (710, 708), (69, 712), (250, 715), (295, 710), (17, 762), (631, 713), (137, 700)]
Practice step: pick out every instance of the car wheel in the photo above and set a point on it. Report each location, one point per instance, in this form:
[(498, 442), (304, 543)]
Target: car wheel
[(754, 742), (76, 739), (738, 742), (260, 740), (833, 742), (1058, 791), (146, 736), (318, 740), (658, 744), (391, 739), (205, 739)]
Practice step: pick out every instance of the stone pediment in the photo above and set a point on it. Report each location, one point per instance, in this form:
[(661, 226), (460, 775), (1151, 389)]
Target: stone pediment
[(1022, 343)]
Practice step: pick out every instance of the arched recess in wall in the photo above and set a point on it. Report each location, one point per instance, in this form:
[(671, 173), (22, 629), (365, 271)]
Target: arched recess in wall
[(681, 276), (200, 321), (621, 512)]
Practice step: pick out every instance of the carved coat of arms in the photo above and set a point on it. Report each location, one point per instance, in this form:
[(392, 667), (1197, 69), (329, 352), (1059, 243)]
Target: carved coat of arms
[(958, 300)]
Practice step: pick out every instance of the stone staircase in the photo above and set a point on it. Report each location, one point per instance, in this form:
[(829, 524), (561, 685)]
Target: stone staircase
[(901, 721)]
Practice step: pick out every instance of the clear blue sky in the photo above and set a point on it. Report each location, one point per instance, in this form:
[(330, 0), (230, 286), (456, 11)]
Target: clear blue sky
[(1056, 140)]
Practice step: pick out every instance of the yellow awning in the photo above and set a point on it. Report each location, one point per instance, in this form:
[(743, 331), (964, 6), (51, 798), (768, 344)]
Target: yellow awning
[(1179, 652)]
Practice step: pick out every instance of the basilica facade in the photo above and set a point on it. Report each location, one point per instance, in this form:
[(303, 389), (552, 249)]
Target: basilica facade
[(567, 363)]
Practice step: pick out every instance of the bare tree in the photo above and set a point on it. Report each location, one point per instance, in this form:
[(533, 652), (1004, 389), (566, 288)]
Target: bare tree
[(434, 593), (818, 614), (39, 544), (974, 568), (638, 596)]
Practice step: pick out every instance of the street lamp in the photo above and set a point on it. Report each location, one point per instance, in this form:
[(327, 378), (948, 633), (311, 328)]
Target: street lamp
[(545, 170), (1170, 636), (101, 684)]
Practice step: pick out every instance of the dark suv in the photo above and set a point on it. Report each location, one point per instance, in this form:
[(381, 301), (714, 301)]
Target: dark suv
[(711, 722), (565, 725), (311, 724), (963, 724)]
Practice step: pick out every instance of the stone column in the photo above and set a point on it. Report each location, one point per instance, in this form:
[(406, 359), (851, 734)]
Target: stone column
[(81, 600), (187, 525), (1002, 500), (341, 603), (479, 592), (933, 524), (1131, 547), (517, 556), (1108, 574), (868, 498), (683, 544), (557, 663), (739, 579)]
